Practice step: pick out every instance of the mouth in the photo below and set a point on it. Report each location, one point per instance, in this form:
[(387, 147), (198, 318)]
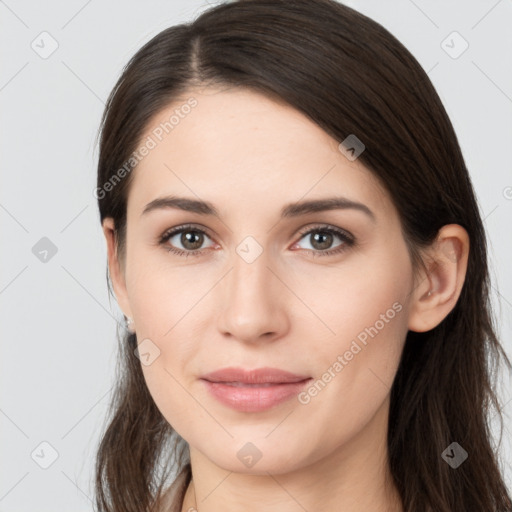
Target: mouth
[(259, 376), (272, 387)]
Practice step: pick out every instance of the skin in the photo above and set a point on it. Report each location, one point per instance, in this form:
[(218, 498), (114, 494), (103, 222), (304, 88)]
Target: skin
[(249, 156)]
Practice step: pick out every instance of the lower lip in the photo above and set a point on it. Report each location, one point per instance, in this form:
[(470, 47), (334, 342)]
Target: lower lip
[(254, 399)]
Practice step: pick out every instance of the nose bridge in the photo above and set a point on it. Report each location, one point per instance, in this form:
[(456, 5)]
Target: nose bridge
[(252, 306), (250, 278)]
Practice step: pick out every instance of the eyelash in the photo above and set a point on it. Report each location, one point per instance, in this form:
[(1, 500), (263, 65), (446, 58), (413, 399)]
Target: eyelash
[(347, 238)]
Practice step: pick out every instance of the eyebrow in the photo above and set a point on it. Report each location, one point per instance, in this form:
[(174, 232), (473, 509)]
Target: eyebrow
[(290, 210)]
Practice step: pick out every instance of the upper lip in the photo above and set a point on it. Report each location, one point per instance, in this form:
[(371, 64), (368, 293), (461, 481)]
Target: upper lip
[(257, 376)]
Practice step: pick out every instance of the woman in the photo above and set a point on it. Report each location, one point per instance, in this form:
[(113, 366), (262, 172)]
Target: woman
[(294, 240)]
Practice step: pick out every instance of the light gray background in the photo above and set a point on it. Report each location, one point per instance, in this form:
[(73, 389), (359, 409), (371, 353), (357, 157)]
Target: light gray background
[(58, 326)]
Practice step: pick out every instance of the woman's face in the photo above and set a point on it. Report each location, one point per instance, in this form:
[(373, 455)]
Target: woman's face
[(263, 289)]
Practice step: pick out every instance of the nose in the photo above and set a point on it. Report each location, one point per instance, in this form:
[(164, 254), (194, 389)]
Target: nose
[(255, 302)]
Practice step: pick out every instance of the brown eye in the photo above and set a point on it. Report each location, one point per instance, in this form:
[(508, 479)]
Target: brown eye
[(184, 240), (322, 238), (191, 240)]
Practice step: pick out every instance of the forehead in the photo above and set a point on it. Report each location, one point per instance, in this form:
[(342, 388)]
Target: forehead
[(235, 144)]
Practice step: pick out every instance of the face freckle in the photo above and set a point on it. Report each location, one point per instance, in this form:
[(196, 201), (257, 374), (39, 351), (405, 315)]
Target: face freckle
[(257, 296)]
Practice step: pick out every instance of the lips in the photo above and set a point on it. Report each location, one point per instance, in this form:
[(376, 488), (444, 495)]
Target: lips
[(259, 377), (253, 391)]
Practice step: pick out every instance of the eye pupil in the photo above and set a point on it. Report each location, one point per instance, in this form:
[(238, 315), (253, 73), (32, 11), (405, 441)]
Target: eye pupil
[(187, 238), (322, 240)]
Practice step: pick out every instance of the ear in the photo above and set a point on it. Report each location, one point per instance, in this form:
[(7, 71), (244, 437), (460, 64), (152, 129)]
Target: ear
[(116, 268), (437, 291)]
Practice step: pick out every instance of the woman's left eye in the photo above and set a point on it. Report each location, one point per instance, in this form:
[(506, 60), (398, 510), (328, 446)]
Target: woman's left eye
[(321, 239)]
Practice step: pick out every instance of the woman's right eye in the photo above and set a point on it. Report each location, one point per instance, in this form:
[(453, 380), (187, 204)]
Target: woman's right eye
[(189, 237)]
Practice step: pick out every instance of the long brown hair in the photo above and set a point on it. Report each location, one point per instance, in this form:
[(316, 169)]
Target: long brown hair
[(350, 76)]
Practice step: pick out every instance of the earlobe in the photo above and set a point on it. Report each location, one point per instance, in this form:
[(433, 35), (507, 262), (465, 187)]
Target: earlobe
[(438, 290), (116, 272)]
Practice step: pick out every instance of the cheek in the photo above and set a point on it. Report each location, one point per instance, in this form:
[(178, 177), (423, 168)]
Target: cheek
[(168, 304), (362, 297), (356, 366), (165, 297), (363, 318)]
